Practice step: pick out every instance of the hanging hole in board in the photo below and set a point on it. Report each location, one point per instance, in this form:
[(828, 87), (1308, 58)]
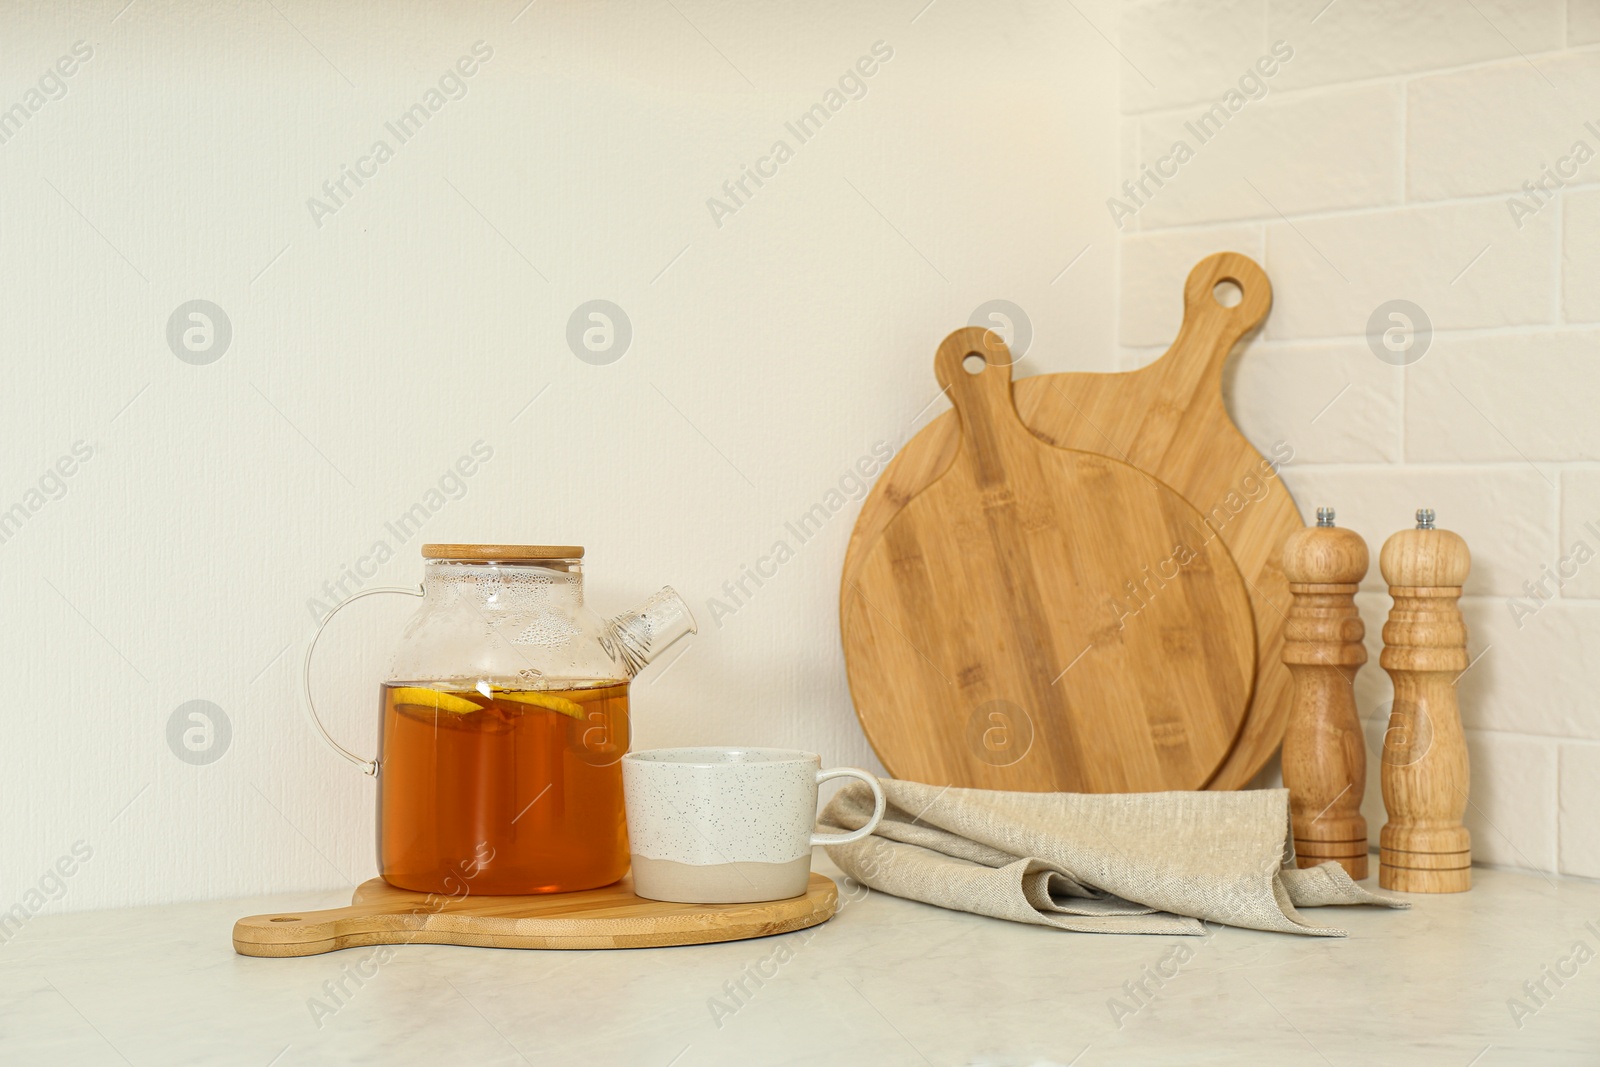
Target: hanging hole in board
[(1228, 293), (287, 919), (973, 363)]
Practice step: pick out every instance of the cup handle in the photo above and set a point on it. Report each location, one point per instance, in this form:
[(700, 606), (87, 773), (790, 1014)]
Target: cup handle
[(368, 766), (877, 809)]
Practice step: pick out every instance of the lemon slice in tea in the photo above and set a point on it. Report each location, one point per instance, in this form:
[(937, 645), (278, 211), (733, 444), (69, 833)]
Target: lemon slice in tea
[(434, 698), (542, 700)]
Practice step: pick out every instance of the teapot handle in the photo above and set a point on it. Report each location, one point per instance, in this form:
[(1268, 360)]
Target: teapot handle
[(368, 766)]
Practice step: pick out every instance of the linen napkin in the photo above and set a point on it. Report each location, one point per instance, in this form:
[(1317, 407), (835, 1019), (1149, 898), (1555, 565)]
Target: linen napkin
[(1132, 863)]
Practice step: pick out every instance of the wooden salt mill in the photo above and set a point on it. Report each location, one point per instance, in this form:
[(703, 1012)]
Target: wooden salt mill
[(1424, 848), (1324, 751)]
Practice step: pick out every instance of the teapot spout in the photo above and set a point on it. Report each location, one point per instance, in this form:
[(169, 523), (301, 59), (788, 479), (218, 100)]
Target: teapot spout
[(644, 633)]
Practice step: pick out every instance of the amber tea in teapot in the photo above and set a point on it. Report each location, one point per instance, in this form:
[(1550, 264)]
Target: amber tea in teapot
[(503, 724), (539, 785)]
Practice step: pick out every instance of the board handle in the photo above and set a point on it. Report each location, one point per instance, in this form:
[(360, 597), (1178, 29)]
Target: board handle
[(973, 366), (1210, 328), (309, 933)]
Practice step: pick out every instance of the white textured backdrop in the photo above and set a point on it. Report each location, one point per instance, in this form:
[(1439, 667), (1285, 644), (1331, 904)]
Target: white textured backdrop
[(376, 339), (165, 522)]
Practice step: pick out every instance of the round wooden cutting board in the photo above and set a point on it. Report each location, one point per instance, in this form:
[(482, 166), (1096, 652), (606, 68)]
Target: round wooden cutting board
[(612, 916), (1043, 618), (1168, 420)]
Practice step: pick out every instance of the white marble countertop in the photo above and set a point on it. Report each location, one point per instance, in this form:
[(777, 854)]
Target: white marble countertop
[(887, 981)]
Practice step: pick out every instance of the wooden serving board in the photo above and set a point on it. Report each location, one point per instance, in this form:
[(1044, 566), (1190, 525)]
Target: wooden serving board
[(1167, 419), (609, 917), (1047, 592)]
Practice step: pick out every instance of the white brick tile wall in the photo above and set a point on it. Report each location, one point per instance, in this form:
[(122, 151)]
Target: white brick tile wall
[(1579, 831), (1533, 673), (1464, 264), (1505, 397), (1302, 153), (1508, 518), (1513, 795), (1332, 400), (1153, 270), (1580, 253), (1489, 130), (1578, 575), (1385, 162), (1355, 39)]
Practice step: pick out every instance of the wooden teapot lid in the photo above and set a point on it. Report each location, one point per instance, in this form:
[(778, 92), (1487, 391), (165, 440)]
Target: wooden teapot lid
[(481, 553)]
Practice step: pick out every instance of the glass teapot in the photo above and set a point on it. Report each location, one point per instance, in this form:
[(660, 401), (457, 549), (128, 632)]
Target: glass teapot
[(504, 719)]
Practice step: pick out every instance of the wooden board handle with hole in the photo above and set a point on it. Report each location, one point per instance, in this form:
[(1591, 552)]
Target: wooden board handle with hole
[(1211, 328), (307, 933)]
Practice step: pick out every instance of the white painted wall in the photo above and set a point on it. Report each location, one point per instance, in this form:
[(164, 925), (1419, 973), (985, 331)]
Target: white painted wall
[(422, 316), (769, 353), (1387, 161)]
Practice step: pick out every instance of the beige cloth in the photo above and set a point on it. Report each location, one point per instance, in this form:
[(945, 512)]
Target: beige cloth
[(1133, 863)]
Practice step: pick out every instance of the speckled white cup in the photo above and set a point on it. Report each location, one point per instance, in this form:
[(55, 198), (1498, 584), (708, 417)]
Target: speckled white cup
[(728, 825)]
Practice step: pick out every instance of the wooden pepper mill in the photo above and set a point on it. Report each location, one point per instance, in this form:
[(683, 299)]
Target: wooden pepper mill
[(1424, 848), (1324, 752)]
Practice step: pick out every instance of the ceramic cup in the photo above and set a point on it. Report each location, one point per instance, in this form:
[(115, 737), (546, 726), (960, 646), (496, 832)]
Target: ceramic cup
[(728, 825)]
